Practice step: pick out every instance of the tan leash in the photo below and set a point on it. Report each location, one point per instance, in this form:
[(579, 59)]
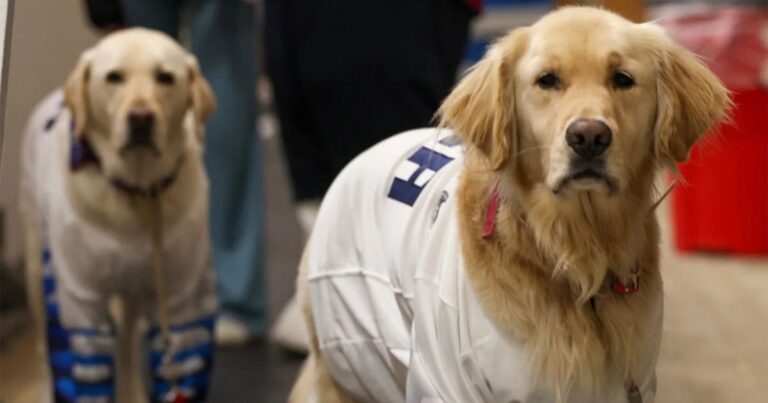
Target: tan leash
[(664, 195), (633, 392), (156, 224)]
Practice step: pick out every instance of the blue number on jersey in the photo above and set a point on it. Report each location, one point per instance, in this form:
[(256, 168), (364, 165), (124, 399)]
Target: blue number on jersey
[(429, 162)]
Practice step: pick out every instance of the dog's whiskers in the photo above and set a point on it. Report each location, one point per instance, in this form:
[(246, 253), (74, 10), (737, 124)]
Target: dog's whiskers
[(525, 150)]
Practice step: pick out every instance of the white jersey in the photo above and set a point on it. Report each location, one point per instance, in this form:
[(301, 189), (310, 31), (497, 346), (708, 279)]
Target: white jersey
[(395, 315), (91, 261)]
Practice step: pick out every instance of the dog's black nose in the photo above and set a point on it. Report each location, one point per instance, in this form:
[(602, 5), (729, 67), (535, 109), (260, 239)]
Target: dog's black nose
[(141, 121), (589, 138)]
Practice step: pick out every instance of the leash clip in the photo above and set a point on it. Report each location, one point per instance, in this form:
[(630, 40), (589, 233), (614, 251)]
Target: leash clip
[(175, 396), (633, 393)]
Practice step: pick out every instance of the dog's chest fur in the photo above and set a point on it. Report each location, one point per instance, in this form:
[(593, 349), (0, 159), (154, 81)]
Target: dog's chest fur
[(573, 341), (98, 238)]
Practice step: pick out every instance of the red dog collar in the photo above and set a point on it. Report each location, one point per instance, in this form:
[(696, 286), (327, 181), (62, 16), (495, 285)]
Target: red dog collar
[(489, 229), (620, 288)]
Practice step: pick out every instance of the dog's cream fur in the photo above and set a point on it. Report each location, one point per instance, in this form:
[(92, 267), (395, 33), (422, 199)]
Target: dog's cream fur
[(553, 249), (100, 110)]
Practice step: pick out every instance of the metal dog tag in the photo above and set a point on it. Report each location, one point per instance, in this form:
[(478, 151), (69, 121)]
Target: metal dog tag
[(175, 396), (633, 394)]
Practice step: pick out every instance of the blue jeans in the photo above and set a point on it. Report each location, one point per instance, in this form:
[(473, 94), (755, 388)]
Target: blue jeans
[(223, 37)]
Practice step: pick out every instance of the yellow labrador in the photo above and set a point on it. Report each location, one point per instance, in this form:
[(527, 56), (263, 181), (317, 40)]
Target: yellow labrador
[(511, 256), (119, 147)]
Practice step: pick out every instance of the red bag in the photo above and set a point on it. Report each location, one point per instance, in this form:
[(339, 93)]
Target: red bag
[(722, 205), (732, 40)]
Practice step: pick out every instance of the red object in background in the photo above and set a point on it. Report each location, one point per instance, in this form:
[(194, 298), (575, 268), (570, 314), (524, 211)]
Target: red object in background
[(724, 205)]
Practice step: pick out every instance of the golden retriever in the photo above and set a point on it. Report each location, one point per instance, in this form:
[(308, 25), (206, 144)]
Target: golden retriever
[(525, 269), (122, 138)]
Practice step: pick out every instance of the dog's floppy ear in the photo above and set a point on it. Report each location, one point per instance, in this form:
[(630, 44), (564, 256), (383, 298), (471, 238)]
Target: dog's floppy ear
[(201, 96), (76, 92), (691, 100), (481, 107)]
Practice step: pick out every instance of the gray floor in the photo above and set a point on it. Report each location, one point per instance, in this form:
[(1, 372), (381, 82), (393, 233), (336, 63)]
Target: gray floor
[(259, 373), (261, 369)]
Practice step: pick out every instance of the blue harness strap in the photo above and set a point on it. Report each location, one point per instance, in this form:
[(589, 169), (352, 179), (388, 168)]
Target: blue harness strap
[(192, 362), (79, 375), (75, 375)]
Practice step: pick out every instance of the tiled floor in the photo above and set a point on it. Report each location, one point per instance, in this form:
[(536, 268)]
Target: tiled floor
[(715, 345)]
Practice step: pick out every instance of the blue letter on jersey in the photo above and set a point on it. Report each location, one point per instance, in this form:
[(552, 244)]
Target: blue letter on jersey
[(429, 162)]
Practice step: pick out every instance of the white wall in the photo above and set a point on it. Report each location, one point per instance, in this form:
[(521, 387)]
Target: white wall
[(3, 14), (48, 36)]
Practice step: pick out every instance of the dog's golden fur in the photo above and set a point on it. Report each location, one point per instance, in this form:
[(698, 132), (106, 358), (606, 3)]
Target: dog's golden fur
[(544, 275)]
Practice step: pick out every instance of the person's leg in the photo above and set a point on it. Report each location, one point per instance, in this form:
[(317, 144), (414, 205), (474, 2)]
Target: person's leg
[(308, 161), (362, 80), (337, 94), (223, 38), (452, 19), (162, 15)]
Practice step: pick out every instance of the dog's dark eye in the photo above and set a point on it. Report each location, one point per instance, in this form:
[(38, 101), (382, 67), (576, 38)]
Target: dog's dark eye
[(115, 77), (622, 80), (548, 81), (163, 77)]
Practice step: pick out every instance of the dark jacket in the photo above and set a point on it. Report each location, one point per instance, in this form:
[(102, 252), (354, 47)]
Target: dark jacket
[(105, 13)]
